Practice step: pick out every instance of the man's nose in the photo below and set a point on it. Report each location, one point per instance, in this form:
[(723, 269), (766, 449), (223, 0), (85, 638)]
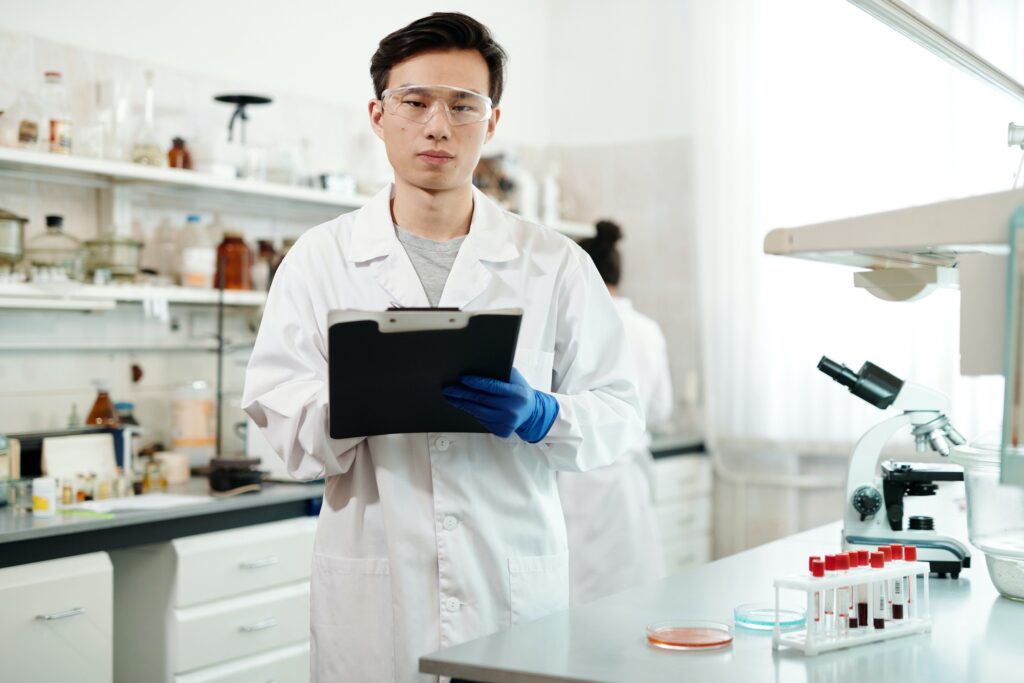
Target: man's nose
[(437, 125)]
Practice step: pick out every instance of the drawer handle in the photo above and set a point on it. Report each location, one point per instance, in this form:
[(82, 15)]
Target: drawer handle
[(259, 626), (260, 563), (73, 612)]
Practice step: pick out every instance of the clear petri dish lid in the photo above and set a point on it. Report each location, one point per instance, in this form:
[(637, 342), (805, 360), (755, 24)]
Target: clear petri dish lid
[(760, 616), (984, 452), (689, 634)]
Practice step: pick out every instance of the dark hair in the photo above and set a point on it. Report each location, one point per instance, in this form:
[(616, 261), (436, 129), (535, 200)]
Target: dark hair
[(604, 253), (439, 31)]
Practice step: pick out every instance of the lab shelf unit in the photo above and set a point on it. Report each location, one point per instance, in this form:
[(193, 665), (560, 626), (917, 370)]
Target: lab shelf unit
[(79, 296)]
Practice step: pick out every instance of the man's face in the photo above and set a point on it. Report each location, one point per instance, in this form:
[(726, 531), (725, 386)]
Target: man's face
[(435, 155)]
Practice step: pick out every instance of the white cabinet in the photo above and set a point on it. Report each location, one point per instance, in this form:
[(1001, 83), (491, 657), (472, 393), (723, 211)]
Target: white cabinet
[(227, 606), (56, 620), (682, 504)]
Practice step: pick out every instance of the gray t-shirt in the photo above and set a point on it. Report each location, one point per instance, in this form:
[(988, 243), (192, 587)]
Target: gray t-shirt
[(432, 260)]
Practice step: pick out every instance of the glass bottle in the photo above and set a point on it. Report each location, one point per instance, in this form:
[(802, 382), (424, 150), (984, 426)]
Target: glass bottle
[(102, 413), (21, 125), (56, 113), (234, 262), (198, 255), (287, 244), (146, 146), (178, 155), (55, 253)]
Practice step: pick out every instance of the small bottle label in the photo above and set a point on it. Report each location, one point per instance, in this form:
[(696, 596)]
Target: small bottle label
[(28, 132)]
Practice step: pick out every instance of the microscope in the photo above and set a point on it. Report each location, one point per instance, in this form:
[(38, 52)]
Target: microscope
[(873, 513)]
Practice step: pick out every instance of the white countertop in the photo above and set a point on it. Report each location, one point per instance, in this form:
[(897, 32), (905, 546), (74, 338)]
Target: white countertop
[(975, 636)]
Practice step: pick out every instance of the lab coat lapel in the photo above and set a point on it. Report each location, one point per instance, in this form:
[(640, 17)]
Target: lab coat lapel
[(373, 245), (490, 241)]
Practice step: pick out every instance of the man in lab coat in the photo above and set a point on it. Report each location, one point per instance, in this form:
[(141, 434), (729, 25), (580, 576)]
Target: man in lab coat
[(428, 540)]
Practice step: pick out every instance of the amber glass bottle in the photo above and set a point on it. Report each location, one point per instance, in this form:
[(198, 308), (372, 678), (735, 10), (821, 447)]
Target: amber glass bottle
[(234, 262)]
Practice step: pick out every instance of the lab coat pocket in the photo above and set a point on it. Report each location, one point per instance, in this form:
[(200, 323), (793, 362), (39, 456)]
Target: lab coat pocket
[(538, 585), (352, 619), (536, 367)]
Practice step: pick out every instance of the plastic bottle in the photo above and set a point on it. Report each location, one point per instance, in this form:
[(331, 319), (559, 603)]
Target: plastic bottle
[(56, 113), (44, 497), (193, 424), (198, 255)]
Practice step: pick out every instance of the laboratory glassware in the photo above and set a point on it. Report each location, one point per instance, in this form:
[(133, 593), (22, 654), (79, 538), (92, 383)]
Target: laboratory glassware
[(689, 634)]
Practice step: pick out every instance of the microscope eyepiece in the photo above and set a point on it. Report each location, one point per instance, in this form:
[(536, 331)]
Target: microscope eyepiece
[(871, 383), (838, 372)]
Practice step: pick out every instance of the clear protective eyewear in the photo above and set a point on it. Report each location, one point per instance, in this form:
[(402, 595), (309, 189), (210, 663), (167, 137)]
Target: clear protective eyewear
[(418, 103)]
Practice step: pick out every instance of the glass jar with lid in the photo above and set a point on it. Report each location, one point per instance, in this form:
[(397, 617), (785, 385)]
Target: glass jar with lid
[(234, 262), (55, 253)]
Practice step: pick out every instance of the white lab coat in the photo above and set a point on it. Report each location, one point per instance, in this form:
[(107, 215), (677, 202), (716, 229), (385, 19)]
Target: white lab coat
[(612, 528), (429, 540)]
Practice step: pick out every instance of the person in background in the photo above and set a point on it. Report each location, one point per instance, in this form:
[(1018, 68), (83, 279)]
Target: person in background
[(609, 512), (428, 540)]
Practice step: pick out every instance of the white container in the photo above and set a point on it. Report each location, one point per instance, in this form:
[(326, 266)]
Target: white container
[(193, 422), (198, 255), (44, 497)]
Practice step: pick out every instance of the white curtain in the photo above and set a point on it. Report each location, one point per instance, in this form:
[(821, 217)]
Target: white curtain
[(810, 110)]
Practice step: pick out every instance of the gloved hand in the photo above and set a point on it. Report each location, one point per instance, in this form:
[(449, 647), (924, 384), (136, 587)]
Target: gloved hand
[(505, 407)]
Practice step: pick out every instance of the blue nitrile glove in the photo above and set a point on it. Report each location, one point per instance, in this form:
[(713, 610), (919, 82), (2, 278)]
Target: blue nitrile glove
[(505, 407)]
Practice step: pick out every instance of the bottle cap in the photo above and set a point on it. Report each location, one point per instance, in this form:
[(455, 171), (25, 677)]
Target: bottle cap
[(810, 562), (886, 553), (817, 568), (843, 562), (877, 560), (854, 559), (54, 221), (830, 563), (897, 551), (910, 553), (863, 558)]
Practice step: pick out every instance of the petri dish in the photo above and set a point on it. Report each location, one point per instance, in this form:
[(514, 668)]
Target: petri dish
[(761, 617), (689, 634)]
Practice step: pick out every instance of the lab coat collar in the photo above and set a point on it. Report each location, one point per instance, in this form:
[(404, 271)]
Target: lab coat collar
[(490, 230)]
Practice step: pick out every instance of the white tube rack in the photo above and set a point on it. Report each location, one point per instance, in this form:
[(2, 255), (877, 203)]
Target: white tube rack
[(815, 640)]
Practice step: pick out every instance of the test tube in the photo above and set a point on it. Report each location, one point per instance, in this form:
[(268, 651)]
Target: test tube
[(862, 590), (899, 586), (878, 589), (830, 596), (851, 608), (887, 556), (817, 571), (842, 596), (910, 555)]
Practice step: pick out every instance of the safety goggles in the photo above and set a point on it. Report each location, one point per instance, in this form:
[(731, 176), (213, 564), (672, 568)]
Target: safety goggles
[(418, 103)]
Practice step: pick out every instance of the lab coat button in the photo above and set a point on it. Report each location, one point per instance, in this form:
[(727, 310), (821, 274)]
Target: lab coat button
[(452, 604), (442, 443), (450, 523)]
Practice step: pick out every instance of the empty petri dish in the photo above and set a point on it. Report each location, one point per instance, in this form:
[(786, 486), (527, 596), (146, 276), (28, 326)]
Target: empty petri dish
[(761, 617), (689, 634)]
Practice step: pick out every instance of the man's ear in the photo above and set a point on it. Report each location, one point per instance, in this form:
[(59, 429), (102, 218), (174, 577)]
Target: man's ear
[(376, 111), (492, 123)]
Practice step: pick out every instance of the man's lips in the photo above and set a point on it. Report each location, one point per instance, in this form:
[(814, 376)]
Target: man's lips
[(433, 157)]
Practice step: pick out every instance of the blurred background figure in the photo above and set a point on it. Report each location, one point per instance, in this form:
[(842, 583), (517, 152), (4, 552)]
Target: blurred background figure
[(609, 512)]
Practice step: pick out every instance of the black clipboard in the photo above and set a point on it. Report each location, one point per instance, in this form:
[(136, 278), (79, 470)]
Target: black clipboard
[(387, 368)]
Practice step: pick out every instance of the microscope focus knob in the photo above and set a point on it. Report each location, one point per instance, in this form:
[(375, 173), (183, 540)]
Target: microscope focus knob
[(867, 501)]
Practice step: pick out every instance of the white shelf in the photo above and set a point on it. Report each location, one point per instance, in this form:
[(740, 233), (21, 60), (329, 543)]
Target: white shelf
[(77, 296), (929, 235), (101, 172)]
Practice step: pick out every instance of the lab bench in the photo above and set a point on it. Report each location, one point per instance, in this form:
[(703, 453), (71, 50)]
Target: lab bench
[(975, 634)]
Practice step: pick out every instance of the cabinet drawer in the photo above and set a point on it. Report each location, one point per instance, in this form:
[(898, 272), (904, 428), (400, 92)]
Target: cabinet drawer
[(684, 520), (56, 619), (227, 563), (683, 554), (239, 627), (285, 665), (680, 476)]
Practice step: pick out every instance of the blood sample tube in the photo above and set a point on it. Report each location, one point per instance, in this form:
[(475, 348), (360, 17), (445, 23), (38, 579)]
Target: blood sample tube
[(842, 596), (828, 619), (899, 584), (878, 589), (817, 571), (862, 590), (910, 555), (887, 556), (851, 609)]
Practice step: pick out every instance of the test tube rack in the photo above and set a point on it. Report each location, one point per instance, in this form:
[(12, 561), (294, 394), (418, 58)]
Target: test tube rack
[(817, 637)]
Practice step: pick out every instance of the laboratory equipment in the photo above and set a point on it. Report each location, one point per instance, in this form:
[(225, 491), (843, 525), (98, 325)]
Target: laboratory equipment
[(995, 514), (198, 255), (44, 497), (55, 252), (240, 101), (234, 262), (102, 413), (235, 475), (119, 255), (12, 237), (871, 487), (193, 422), (759, 616), (56, 114), (178, 156), (877, 583), (146, 148), (689, 634)]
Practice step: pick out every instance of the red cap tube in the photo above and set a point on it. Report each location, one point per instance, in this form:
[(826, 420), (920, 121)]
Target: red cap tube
[(897, 551), (854, 559), (843, 562), (830, 563), (877, 560), (910, 553), (886, 553), (811, 560), (863, 558), (817, 568)]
